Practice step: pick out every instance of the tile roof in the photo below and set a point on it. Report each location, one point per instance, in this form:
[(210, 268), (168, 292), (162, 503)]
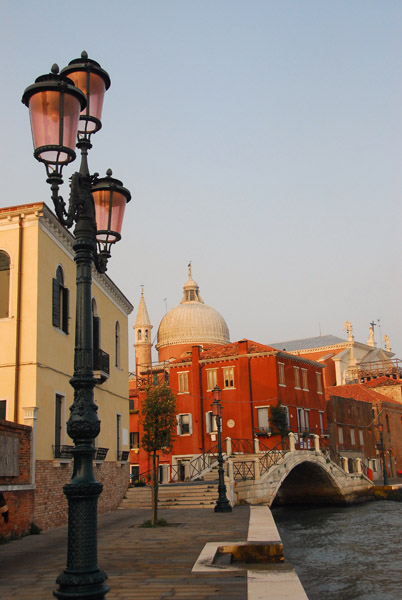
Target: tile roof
[(358, 392), (309, 343), (383, 381), (230, 350)]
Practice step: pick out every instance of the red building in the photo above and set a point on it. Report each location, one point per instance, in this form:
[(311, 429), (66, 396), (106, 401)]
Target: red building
[(253, 379)]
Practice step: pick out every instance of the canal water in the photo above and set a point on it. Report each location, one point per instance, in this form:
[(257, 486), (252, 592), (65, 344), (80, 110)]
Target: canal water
[(345, 553)]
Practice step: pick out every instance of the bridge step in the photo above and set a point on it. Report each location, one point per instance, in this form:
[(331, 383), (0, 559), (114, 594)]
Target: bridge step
[(173, 496)]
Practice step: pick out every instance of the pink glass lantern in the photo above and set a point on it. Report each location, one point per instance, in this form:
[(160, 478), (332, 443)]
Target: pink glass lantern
[(54, 106), (110, 198), (93, 81)]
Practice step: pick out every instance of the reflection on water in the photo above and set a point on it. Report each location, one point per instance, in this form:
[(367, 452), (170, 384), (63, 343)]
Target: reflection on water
[(348, 553)]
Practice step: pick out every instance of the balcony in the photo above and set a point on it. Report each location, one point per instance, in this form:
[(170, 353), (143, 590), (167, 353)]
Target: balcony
[(123, 456), (101, 365), (391, 368)]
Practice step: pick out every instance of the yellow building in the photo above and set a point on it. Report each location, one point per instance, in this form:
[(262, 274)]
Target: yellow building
[(37, 324)]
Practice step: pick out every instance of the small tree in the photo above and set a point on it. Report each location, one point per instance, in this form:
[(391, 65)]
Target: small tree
[(159, 425), (279, 420)]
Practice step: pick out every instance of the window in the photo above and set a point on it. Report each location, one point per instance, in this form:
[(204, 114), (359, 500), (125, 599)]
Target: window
[(321, 414), (96, 325), (59, 421), (131, 404), (352, 437), (212, 378), (361, 440), (263, 419), (304, 379), (3, 412), (302, 420), (118, 435), (387, 422), (340, 435), (184, 424), (134, 439), (286, 409), (139, 335), (211, 426), (319, 382), (281, 373), (4, 284), (297, 377), (228, 377), (117, 344), (146, 334), (60, 302), (183, 383)]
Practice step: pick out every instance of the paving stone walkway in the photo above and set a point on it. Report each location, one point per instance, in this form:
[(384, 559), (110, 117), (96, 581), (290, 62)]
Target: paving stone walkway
[(142, 564)]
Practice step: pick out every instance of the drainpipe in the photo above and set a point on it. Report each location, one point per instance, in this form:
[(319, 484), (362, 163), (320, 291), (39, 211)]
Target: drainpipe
[(251, 399), (18, 324)]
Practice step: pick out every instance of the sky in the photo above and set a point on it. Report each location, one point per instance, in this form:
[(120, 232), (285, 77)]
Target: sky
[(260, 139)]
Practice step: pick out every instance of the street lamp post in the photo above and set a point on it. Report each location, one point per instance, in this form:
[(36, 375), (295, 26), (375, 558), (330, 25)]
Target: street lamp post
[(222, 504), (384, 466), (64, 107)]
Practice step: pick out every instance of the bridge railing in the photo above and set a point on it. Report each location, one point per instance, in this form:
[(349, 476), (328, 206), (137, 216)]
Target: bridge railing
[(340, 460), (244, 470), (273, 456)]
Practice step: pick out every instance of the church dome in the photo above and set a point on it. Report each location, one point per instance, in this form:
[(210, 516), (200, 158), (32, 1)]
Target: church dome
[(192, 322)]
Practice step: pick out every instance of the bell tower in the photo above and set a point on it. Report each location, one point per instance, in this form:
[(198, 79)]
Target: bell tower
[(142, 344)]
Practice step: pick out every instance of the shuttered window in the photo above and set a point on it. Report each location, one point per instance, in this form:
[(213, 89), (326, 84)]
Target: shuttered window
[(60, 304), (4, 285)]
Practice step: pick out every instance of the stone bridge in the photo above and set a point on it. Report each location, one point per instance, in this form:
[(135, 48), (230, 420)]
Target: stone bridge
[(296, 477)]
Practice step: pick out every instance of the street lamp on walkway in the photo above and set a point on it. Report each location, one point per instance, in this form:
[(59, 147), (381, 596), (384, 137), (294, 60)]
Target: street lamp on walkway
[(384, 466), (222, 504), (64, 107)]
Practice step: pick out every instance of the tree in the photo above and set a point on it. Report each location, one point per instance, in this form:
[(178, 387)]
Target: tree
[(159, 425), (279, 420)]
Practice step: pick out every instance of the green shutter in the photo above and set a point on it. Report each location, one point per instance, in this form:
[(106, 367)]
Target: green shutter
[(56, 303)]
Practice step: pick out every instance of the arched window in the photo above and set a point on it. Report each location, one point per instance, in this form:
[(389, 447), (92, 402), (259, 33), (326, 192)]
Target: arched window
[(60, 301), (96, 327), (4, 284), (139, 335), (117, 344), (146, 334)]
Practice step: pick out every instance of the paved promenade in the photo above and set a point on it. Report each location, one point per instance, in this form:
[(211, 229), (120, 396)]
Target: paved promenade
[(142, 564)]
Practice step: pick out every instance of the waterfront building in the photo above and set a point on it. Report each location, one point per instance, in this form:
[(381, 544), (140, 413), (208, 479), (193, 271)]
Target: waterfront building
[(345, 361), (355, 429), (37, 320), (195, 354)]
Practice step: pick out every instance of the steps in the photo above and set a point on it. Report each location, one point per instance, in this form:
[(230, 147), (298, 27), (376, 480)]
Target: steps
[(178, 495)]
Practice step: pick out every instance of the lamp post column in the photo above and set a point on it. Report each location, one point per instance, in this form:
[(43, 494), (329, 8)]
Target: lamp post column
[(82, 578), (384, 466), (222, 504)]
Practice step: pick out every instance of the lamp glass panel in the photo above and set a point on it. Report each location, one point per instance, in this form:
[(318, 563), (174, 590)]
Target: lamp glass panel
[(102, 199), (94, 97), (44, 110)]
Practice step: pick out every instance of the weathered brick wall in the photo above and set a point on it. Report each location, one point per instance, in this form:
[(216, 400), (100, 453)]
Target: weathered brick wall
[(20, 502), (50, 502)]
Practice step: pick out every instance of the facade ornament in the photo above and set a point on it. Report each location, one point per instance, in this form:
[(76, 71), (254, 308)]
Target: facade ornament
[(370, 341), (387, 343), (349, 329)]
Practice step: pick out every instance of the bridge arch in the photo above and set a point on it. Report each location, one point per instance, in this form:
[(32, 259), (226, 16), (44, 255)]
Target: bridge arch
[(310, 482)]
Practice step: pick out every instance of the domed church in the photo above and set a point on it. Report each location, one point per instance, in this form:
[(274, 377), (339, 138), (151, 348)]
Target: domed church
[(191, 323)]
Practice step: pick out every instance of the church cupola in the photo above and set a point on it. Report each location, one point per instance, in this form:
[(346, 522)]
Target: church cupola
[(143, 344)]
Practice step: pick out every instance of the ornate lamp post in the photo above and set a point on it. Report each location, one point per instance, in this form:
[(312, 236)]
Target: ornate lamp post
[(222, 504), (65, 106)]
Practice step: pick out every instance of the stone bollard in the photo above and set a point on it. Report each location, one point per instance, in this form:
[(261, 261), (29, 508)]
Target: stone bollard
[(186, 470), (228, 446), (292, 446), (256, 468), (256, 445), (230, 470), (316, 443)]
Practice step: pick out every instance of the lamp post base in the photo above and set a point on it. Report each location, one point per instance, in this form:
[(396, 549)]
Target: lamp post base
[(223, 507)]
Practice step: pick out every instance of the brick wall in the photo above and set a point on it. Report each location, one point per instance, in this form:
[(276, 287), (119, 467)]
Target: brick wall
[(20, 502), (50, 502)]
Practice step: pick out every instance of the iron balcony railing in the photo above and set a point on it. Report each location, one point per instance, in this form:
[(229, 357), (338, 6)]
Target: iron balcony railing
[(101, 362), (66, 452)]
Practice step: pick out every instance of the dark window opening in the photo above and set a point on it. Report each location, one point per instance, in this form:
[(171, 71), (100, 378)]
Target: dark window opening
[(60, 307)]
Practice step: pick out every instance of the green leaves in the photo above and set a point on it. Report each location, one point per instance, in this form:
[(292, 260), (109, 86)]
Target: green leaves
[(158, 419)]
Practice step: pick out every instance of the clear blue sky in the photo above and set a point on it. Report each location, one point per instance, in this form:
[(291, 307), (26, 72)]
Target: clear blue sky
[(260, 139)]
